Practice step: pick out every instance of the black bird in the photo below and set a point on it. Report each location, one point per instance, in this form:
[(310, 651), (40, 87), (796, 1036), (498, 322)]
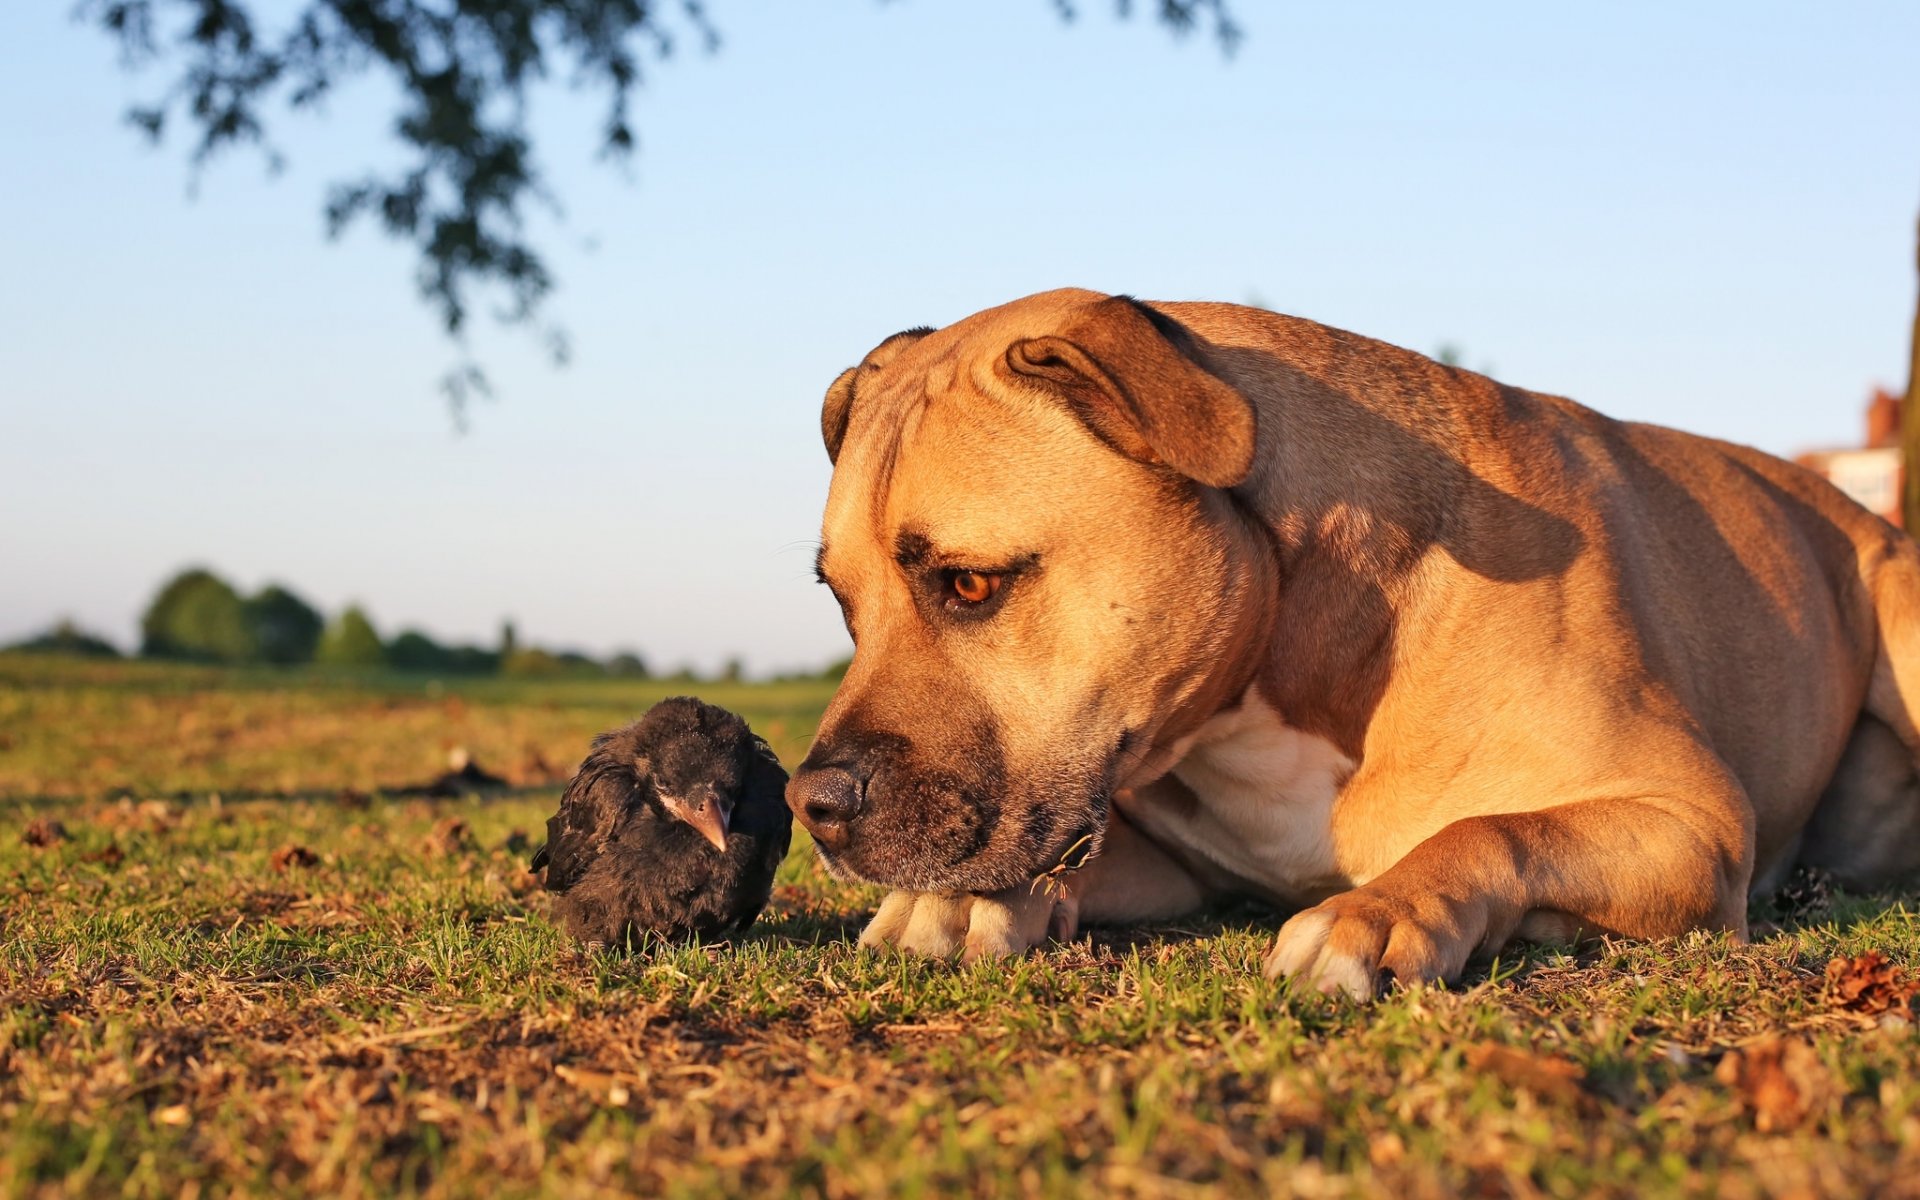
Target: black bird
[(672, 827)]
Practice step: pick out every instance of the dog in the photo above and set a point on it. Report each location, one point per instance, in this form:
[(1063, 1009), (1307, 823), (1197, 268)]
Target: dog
[(1222, 601)]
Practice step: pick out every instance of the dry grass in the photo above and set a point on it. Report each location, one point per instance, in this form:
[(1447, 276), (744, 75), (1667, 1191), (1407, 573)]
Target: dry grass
[(190, 1007)]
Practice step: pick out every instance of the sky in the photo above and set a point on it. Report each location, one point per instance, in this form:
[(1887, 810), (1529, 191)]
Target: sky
[(1702, 215)]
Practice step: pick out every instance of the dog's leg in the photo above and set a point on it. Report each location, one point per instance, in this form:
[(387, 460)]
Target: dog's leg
[(1131, 879), (938, 924), (1640, 868), (1866, 829)]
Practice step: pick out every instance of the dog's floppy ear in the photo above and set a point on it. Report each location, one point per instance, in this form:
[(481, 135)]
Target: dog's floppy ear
[(838, 406), (1131, 375)]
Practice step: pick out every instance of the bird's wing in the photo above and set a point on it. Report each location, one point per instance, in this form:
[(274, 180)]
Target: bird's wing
[(577, 834), (767, 797), (767, 758)]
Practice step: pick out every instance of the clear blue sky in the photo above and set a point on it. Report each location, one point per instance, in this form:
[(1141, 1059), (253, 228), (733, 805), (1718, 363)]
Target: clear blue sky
[(1700, 214)]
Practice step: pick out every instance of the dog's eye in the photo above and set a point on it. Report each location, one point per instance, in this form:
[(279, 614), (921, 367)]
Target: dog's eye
[(972, 587)]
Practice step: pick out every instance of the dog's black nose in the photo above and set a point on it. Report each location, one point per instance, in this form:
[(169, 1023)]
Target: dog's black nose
[(825, 799)]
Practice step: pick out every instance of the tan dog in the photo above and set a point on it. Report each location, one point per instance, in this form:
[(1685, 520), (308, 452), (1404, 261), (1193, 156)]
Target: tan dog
[(1249, 604)]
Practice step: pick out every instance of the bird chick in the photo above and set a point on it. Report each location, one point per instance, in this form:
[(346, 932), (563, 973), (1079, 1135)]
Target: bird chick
[(672, 827)]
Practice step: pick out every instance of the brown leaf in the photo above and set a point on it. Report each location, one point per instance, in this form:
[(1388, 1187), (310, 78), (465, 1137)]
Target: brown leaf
[(597, 1083), (111, 856), (1780, 1081), (535, 769), (44, 832), (450, 837), (1547, 1075), (1386, 1149), (291, 855), (158, 815), (525, 883), (1870, 984)]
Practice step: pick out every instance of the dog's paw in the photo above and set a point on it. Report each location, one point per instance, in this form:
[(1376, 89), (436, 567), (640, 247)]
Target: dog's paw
[(939, 925), (1363, 941)]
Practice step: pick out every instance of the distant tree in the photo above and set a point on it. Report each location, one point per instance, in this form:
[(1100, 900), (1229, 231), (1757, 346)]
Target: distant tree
[(733, 671), (471, 660), (837, 669), (531, 662), (198, 616), (67, 638), (627, 665), (1451, 355), (415, 651), (350, 641), (285, 628), (459, 72)]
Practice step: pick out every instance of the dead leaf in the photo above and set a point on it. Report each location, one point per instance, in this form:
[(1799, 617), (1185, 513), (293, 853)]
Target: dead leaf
[(1780, 1081), (44, 832), (1869, 984), (525, 883), (598, 1083), (1549, 1076), (450, 837), (1386, 1150), (157, 815), (291, 855), (110, 856), (1806, 896), (535, 769)]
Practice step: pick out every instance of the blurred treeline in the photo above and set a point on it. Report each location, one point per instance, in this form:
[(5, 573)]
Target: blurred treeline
[(199, 617)]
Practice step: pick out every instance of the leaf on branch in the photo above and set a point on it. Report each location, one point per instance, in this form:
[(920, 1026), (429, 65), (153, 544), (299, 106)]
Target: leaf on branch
[(462, 69)]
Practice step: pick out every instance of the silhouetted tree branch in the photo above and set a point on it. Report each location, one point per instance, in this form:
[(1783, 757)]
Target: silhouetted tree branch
[(462, 69)]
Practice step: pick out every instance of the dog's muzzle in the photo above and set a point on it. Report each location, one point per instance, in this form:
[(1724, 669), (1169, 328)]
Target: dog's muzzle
[(826, 800)]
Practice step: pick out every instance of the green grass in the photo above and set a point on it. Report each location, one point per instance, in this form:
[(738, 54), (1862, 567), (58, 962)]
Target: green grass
[(178, 1017)]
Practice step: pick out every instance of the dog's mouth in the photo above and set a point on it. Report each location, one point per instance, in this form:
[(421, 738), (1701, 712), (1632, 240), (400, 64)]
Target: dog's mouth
[(963, 824), (1079, 852), (1044, 847)]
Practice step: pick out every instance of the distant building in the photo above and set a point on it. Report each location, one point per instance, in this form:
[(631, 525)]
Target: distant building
[(1870, 473)]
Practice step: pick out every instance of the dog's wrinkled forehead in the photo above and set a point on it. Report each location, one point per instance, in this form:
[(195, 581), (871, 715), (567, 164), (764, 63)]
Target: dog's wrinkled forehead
[(910, 365), (981, 413), (883, 402)]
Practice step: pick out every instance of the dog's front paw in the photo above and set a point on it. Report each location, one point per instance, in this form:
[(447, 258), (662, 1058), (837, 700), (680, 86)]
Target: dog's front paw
[(938, 924), (1362, 941)]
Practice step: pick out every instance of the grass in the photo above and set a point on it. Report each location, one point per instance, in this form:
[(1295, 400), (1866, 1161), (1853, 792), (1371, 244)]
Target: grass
[(180, 1016)]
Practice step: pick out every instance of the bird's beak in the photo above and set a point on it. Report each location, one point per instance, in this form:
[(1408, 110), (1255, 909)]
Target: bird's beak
[(708, 811)]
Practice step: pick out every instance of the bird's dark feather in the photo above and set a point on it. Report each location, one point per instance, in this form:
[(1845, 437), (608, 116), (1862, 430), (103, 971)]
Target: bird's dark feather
[(622, 867)]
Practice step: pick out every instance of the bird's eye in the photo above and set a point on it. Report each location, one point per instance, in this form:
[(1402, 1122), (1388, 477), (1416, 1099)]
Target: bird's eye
[(972, 587)]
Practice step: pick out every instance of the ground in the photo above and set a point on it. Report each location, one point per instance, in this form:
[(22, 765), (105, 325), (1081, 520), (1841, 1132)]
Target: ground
[(234, 960)]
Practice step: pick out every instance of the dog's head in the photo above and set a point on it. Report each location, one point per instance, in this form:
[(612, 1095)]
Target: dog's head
[(1029, 539)]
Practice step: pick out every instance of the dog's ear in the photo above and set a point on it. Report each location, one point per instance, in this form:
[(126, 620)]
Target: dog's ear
[(838, 406), (1131, 374)]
